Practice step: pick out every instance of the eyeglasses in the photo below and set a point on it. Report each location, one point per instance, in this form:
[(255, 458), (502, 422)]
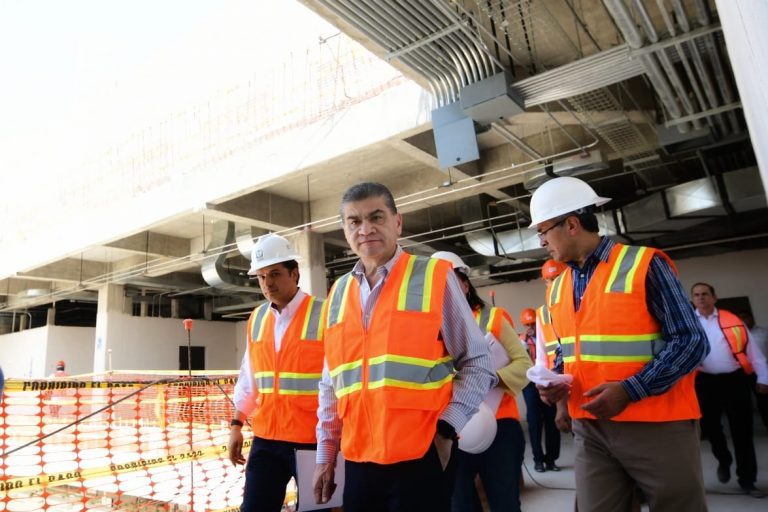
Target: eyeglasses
[(543, 234)]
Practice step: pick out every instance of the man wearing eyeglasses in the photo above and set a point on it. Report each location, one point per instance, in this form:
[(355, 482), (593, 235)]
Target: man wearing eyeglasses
[(631, 340)]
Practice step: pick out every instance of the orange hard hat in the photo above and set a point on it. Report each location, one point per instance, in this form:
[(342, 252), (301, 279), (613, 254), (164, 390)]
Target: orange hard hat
[(551, 269), (528, 316), (60, 363)]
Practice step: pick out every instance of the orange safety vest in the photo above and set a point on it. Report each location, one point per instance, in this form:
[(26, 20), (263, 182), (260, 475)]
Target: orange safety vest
[(548, 334), (613, 336), (738, 337), (393, 379), (490, 320), (287, 381)]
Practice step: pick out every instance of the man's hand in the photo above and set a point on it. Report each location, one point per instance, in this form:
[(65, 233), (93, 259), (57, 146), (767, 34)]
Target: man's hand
[(235, 446), (553, 393), (443, 447), (562, 418), (322, 482), (762, 389), (610, 399)]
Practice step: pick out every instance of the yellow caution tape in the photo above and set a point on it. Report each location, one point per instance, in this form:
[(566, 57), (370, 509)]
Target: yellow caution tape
[(60, 384), (55, 479)]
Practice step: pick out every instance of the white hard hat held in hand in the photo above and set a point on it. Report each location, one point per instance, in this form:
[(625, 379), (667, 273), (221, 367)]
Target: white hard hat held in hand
[(269, 250), (479, 432), (559, 196)]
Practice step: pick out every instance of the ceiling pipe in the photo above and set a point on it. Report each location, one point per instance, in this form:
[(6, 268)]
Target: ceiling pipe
[(717, 65), (634, 39), (706, 81), (666, 62)]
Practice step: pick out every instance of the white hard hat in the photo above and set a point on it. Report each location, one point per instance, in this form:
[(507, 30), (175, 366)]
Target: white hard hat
[(559, 196), (269, 250), (456, 262), (479, 432)]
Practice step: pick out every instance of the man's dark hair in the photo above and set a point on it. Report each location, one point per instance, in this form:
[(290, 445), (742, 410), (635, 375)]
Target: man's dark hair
[(711, 288), (587, 218), (290, 265), (475, 302), (368, 189)]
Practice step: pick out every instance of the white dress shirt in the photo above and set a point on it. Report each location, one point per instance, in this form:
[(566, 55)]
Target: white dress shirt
[(245, 389), (720, 358)]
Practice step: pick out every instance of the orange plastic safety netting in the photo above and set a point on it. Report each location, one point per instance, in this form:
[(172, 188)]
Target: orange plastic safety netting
[(119, 442)]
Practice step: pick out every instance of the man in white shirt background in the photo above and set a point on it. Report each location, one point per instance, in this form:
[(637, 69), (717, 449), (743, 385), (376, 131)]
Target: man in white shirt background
[(723, 385)]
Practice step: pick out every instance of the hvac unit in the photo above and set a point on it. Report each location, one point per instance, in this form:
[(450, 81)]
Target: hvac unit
[(570, 166)]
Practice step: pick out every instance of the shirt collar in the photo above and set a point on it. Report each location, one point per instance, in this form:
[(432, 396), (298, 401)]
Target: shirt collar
[(291, 307), (359, 270), (713, 315), (601, 253)]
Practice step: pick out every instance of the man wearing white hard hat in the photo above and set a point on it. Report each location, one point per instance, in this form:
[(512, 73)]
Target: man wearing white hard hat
[(492, 445), (631, 341), (277, 387)]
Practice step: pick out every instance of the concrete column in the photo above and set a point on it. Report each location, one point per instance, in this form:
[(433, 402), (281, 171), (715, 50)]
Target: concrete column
[(23, 322), (50, 318), (108, 328), (744, 27), (144, 306), (175, 305), (208, 309), (312, 263)]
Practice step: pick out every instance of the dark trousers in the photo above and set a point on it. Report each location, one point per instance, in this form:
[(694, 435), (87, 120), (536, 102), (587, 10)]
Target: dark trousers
[(270, 466), (410, 486), (540, 417), (729, 393), (762, 402), (499, 470)]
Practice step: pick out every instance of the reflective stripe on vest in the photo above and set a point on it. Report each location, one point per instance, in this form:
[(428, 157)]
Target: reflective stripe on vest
[(294, 383), (620, 349), (347, 378), (415, 292), (568, 347), (257, 327), (338, 299), (291, 383), (393, 370), (555, 288), (486, 318), (416, 286), (623, 272), (312, 328), (265, 381)]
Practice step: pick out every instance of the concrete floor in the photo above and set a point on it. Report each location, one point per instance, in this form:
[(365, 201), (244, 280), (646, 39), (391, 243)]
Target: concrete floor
[(548, 491)]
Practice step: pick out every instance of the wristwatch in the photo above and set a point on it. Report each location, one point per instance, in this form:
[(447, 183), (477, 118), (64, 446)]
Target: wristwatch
[(446, 430), (235, 423)]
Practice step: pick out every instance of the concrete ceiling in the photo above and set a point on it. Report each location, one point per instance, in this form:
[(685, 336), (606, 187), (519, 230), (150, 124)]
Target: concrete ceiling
[(556, 51)]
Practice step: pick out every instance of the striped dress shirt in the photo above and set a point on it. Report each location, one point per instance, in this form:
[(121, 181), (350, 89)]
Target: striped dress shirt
[(686, 343), (463, 340)]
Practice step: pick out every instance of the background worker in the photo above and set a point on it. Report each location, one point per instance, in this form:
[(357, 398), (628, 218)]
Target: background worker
[(397, 326), (499, 466), (759, 336), (631, 341), (724, 385), (540, 415), (548, 350), (277, 386), (58, 398), (61, 370)]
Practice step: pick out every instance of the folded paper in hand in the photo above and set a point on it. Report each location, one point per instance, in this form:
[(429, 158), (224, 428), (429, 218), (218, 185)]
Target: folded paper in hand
[(543, 376)]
